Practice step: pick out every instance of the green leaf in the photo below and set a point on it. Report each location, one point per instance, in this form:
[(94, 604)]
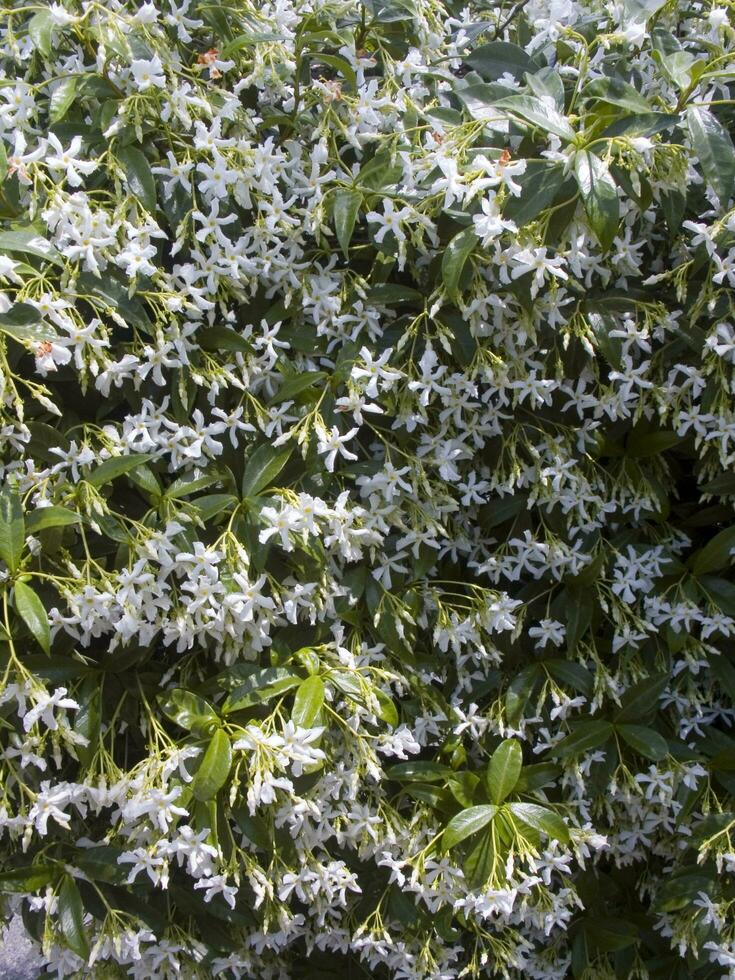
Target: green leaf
[(714, 148), (40, 28), (28, 879), (189, 711), (62, 98), (223, 338), (539, 184), (617, 92), (519, 691), (480, 862), (537, 776), (497, 58), (138, 176), (610, 934), (263, 467), (213, 504), (587, 735), (12, 528), (308, 702), (539, 113), (641, 699), (214, 768), (31, 610), (643, 444), (87, 720), (345, 210), (466, 823), (642, 124), (390, 293), (503, 769), (23, 322), (455, 257), (71, 918), (541, 818), (187, 485), (3, 161), (645, 741), (110, 469), (114, 299), (715, 555), (418, 771), (599, 196), (294, 386), (724, 672), (261, 686), (45, 517), (28, 241), (579, 608)]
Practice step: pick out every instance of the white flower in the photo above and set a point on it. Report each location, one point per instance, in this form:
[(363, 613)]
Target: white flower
[(147, 73)]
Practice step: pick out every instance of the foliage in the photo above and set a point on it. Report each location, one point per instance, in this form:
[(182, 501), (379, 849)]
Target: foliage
[(367, 498)]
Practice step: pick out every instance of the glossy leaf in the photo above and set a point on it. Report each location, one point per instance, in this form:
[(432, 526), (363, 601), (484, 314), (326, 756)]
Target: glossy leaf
[(117, 466), (62, 98), (466, 823), (504, 769), (599, 195), (645, 741), (541, 818), (214, 768), (263, 467), (189, 711), (138, 175), (71, 918), (12, 528), (345, 211), (308, 702), (455, 258), (31, 610)]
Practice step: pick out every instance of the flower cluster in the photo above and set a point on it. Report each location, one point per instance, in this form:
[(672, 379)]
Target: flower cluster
[(367, 509)]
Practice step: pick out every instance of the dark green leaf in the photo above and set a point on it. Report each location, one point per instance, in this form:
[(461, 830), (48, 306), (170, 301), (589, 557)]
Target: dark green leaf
[(110, 469), (29, 241), (541, 818), (40, 28), (308, 702), (62, 98), (214, 767), (538, 113), (29, 879), (138, 176), (714, 149), (599, 195), (503, 769), (223, 338), (345, 210), (45, 517), (641, 700), (466, 823), (455, 256), (586, 735), (617, 92), (71, 918), (716, 554), (12, 528), (294, 386), (31, 610), (498, 58), (189, 711), (405, 772), (539, 186), (645, 741), (270, 682), (263, 467)]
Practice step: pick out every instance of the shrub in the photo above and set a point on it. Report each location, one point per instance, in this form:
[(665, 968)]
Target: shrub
[(367, 492)]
